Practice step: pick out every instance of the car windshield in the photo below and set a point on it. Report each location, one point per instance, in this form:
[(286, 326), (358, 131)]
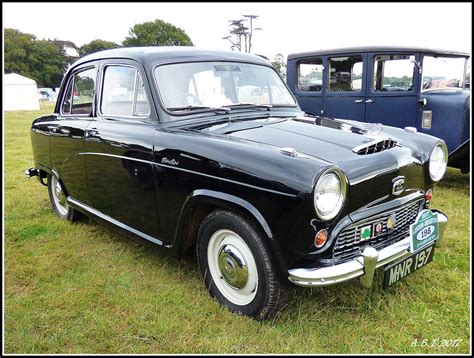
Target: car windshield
[(211, 85), (443, 72)]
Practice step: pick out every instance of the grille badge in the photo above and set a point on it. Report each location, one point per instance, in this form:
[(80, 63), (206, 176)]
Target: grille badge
[(398, 185), (378, 228), (391, 222), (366, 232)]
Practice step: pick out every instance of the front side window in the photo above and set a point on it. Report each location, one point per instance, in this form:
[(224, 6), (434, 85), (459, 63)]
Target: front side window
[(393, 73), (345, 74), (200, 85), (442, 72), (79, 96), (310, 75), (123, 93)]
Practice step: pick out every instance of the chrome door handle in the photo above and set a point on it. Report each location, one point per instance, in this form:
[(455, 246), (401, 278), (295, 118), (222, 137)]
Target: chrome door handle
[(64, 130), (368, 101), (358, 101)]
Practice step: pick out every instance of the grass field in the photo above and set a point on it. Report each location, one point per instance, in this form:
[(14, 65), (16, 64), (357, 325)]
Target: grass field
[(83, 288)]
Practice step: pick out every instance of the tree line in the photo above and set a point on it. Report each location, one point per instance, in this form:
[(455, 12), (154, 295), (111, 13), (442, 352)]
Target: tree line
[(45, 61)]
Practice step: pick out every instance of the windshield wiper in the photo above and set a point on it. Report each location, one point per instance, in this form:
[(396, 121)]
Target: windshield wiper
[(193, 107), (251, 105)]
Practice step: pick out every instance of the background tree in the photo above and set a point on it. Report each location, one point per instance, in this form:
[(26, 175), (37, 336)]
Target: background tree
[(18, 46), (96, 46), (42, 60), (238, 30), (241, 33), (280, 64), (250, 19), (156, 33)]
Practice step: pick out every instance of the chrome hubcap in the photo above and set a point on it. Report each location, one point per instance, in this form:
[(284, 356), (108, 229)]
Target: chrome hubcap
[(59, 196), (233, 266)]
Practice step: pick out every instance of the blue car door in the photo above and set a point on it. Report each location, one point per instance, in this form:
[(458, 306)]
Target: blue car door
[(306, 81), (445, 105), (392, 89), (345, 86)]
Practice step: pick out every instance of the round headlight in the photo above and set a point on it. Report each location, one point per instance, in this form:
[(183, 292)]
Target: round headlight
[(438, 162), (329, 194)]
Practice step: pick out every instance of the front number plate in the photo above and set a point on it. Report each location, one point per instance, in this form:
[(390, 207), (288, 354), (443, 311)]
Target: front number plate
[(402, 269)]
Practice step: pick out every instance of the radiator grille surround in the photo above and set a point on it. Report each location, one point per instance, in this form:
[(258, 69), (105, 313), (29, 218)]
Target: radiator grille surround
[(349, 243)]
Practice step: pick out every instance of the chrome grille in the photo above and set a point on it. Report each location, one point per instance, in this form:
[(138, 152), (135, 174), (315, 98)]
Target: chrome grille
[(374, 146), (349, 243)]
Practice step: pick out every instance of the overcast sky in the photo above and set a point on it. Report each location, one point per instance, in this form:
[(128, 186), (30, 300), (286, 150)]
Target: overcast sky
[(287, 27)]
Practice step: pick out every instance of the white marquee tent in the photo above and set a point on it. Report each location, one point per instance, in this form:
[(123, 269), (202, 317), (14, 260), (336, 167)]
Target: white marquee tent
[(20, 93)]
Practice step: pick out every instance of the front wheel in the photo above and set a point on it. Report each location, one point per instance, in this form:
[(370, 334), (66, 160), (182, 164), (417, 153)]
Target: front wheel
[(237, 266), (57, 196)]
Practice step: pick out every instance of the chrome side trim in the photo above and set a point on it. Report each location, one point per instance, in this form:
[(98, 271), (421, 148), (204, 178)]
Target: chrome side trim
[(192, 172), (363, 265), (105, 217)]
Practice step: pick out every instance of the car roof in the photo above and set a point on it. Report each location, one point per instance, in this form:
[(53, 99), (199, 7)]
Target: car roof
[(348, 50), (156, 55)]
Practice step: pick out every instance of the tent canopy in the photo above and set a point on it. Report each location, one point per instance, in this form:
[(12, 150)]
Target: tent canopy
[(19, 93), (15, 79)]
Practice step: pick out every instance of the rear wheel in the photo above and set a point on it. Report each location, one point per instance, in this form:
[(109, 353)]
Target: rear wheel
[(237, 266), (57, 196)]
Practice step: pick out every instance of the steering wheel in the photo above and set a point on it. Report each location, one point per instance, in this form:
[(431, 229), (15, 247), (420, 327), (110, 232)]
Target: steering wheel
[(185, 95)]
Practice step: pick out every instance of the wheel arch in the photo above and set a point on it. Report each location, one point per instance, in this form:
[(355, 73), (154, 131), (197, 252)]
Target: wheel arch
[(201, 202)]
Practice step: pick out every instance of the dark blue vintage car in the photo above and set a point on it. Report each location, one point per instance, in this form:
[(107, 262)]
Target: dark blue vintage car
[(425, 89), (209, 151)]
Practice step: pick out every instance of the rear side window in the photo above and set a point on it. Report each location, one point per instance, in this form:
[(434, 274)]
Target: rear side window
[(80, 93), (345, 74), (310, 75), (123, 93), (393, 73)]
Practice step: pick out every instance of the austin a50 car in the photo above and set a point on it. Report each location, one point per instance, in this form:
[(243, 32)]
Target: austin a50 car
[(209, 151)]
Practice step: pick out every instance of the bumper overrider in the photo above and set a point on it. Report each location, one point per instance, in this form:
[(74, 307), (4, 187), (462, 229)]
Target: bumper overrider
[(363, 266)]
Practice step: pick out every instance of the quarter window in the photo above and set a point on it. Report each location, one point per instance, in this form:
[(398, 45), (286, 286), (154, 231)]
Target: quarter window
[(442, 72), (345, 74), (123, 93), (310, 75), (393, 73), (80, 93)]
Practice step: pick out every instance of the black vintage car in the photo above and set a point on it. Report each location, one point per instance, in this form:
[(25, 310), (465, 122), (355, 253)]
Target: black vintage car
[(209, 150)]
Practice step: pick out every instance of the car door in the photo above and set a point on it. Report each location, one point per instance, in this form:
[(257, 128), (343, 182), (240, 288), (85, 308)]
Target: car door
[(119, 148), (306, 81), (345, 87), (392, 95), (444, 110), (67, 132)]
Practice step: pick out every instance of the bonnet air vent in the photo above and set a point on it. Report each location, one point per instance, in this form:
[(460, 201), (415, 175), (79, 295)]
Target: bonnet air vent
[(374, 146)]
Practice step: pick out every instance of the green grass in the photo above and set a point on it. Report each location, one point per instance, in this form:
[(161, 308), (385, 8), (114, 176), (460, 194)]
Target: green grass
[(83, 288)]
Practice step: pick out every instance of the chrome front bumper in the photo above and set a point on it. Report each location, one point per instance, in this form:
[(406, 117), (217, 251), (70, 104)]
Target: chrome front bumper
[(363, 265)]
